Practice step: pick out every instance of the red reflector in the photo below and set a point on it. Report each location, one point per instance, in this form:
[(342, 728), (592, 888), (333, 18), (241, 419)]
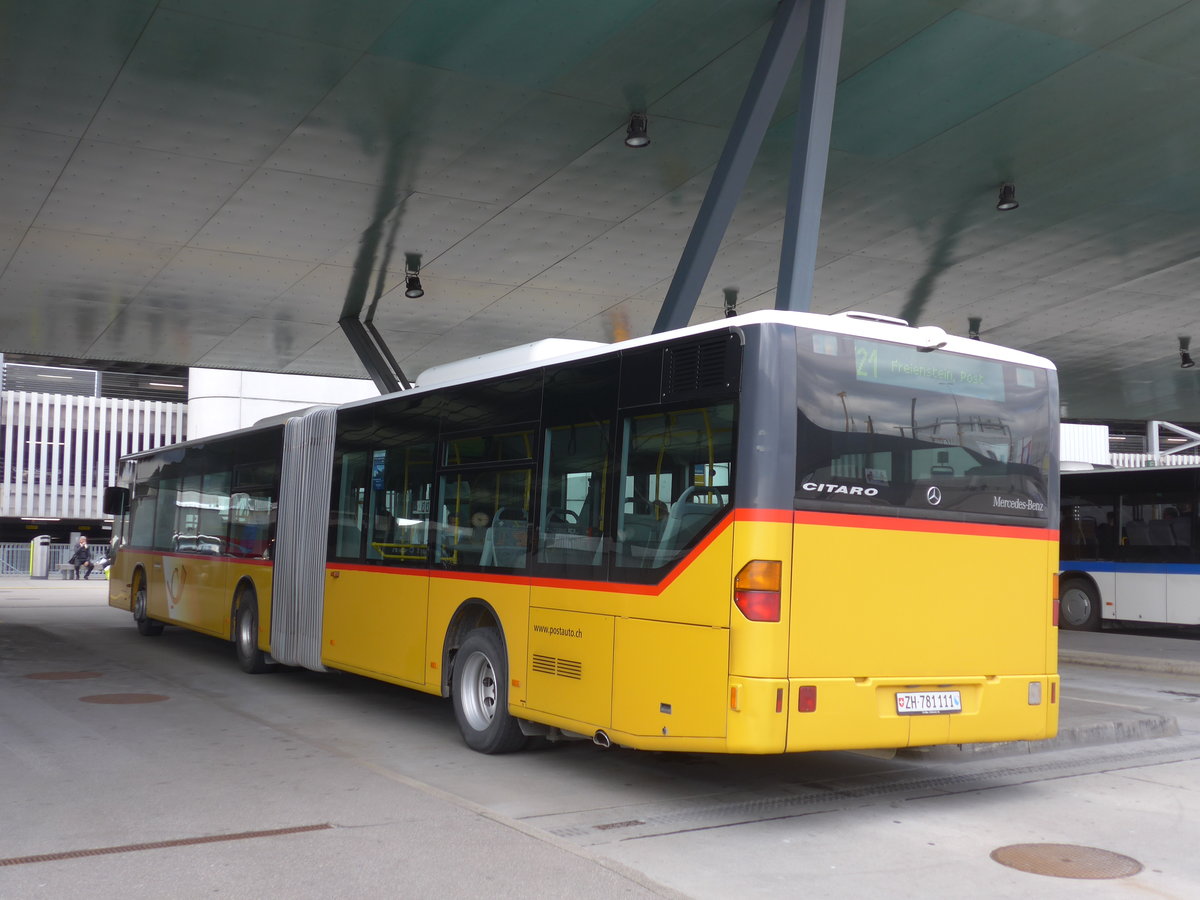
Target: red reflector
[(1053, 692), (758, 606), (779, 700), (807, 699), (1054, 613)]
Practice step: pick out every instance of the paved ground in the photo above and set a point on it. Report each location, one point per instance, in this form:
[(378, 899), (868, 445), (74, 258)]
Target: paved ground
[(309, 785)]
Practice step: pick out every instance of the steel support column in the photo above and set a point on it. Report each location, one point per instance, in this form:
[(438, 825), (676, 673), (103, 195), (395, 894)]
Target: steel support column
[(370, 355), (810, 155), (762, 95)]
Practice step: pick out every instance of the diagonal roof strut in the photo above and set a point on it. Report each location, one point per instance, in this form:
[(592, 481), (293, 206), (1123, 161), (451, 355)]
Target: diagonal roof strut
[(817, 26)]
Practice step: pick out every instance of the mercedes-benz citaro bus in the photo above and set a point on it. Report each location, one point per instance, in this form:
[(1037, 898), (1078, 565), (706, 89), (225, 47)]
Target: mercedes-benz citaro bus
[(773, 533)]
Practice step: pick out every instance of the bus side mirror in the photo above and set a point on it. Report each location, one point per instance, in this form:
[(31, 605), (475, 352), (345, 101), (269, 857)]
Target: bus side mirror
[(116, 501)]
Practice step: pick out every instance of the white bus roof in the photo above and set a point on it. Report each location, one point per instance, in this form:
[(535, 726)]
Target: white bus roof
[(857, 324)]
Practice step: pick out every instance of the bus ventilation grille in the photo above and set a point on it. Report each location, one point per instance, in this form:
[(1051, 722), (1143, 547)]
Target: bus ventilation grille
[(549, 665), (701, 367)]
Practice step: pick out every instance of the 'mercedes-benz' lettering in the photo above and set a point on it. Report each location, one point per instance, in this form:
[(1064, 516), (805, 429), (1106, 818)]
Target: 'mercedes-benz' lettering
[(853, 490), (1010, 503)]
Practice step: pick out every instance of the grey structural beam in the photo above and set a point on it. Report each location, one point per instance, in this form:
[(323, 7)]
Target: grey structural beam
[(810, 155), (817, 26), (369, 354), (750, 125), (386, 352)]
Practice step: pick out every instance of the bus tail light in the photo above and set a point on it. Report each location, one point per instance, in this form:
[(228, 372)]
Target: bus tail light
[(756, 590), (806, 699)]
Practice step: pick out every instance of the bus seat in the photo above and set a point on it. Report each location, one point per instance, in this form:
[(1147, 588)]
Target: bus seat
[(1181, 528), (1160, 533), (1138, 533), (686, 519), (638, 540), (506, 540)]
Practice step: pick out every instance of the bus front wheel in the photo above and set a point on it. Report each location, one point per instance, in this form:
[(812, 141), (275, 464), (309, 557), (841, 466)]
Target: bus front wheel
[(245, 637), (1078, 606), (145, 625), (479, 691)]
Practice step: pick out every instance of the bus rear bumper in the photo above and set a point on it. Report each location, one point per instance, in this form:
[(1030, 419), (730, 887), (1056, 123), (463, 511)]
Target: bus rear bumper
[(865, 713)]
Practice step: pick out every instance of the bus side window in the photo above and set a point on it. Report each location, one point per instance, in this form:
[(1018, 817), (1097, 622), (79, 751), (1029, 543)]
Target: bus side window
[(572, 511), (677, 472), (143, 504), (165, 516), (346, 522), (484, 521), (400, 502)]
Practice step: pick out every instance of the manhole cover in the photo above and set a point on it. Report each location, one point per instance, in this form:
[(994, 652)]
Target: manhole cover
[(1066, 861), (62, 676), (124, 698)]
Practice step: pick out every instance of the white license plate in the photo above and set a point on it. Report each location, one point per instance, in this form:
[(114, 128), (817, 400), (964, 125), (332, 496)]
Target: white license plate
[(928, 703)]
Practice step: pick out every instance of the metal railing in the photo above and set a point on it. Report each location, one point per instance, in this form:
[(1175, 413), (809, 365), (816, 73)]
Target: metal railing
[(14, 558), (1145, 460)]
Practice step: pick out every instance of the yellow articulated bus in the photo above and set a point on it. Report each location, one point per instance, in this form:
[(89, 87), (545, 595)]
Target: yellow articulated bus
[(773, 533)]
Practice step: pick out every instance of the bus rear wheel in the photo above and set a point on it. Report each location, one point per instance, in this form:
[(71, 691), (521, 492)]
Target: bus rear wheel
[(479, 691), (145, 625), (1078, 606), (245, 637)]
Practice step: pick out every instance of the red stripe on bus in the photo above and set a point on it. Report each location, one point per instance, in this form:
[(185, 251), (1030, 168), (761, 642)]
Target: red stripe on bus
[(928, 526), (778, 516), (610, 587), (782, 516)]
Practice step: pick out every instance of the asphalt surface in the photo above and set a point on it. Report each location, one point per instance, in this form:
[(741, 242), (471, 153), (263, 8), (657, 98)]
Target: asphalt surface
[(236, 757), (1079, 723)]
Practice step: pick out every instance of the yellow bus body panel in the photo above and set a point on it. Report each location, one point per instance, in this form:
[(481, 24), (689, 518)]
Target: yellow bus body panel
[(374, 622), (669, 679), (874, 601), (507, 597), (570, 669), (195, 592), (877, 611), (652, 660), (760, 649)]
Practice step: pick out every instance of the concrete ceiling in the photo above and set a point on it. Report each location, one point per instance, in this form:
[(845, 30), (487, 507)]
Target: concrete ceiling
[(213, 182)]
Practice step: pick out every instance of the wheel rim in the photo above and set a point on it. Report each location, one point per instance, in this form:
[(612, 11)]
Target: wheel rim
[(1076, 606), (139, 605), (478, 691)]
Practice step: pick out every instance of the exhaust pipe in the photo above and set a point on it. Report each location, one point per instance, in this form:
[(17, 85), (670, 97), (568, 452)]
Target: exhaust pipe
[(600, 739)]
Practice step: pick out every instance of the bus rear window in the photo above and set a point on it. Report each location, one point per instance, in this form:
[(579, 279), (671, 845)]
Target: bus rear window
[(883, 428)]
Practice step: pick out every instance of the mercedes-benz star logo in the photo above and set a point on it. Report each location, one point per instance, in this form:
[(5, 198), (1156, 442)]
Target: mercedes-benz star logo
[(934, 496)]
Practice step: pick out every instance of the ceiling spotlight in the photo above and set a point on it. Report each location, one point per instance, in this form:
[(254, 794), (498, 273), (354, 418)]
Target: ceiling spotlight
[(636, 136), (1008, 197), (412, 283), (1185, 358), (973, 323)]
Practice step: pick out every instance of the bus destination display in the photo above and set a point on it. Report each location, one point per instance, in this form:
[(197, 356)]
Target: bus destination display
[(907, 367)]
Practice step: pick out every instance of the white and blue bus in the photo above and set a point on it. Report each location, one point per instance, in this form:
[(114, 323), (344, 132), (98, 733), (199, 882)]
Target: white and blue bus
[(1129, 547)]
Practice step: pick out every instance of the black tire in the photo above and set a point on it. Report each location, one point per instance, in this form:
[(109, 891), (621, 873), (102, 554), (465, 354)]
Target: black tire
[(245, 637), (1078, 605), (145, 625), (479, 691)]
